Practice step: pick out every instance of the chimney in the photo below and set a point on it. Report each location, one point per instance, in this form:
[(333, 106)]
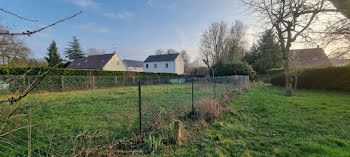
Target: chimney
[(318, 46)]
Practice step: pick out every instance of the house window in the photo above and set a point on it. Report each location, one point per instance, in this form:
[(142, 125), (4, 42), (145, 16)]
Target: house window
[(315, 59), (146, 65), (118, 62), (155, 65), (166, 65)]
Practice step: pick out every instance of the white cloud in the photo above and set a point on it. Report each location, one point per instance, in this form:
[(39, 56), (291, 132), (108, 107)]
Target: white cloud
[(93, 27), (121, 15), (84, 3)]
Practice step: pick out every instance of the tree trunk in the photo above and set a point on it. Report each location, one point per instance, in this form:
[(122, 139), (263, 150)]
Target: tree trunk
[(295, 82), (287, 75)]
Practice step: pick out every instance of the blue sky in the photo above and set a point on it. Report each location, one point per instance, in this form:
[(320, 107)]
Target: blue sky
[(136, 27)]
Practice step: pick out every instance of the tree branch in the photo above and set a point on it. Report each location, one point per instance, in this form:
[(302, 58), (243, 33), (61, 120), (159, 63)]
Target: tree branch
[(29, 33), (8, 12)]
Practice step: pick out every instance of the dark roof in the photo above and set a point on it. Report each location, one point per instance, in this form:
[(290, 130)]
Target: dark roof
[(162, 58), (310, 57), (133, 63), (91, 62)]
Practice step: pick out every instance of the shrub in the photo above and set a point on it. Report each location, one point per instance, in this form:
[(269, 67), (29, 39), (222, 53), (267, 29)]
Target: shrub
[(69, 79), (69, 72), (234, 68), (209, 109), (330, 78)]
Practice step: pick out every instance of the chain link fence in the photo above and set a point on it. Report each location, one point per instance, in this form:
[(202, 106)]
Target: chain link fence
[(66, 114)]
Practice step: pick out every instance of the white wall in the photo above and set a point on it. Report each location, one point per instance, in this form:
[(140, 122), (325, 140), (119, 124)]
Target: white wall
[(137, 69), (175, 67), (161, 68)]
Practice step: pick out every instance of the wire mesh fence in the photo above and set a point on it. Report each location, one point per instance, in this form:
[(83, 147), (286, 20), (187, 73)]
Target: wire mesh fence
[(66, 114)]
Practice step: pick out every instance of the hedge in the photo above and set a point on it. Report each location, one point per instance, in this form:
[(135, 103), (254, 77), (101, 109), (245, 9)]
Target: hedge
[(235, 68), (70, 72), (330, 78), (67, 79)]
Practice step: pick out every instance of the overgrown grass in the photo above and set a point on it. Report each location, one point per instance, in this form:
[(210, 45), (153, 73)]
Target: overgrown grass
[(110, 113), (266, 123)]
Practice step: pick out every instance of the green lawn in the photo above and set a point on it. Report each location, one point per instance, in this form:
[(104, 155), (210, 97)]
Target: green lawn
[(266, 123), (61, 116)]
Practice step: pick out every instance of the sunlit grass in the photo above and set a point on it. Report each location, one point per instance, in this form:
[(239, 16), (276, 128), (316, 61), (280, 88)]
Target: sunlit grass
[(114, 112), (266, 123)]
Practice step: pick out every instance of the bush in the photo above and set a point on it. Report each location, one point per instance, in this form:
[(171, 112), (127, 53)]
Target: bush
[(330, 78), (60, 71), (234, 68), (209, 109), (68, 79)]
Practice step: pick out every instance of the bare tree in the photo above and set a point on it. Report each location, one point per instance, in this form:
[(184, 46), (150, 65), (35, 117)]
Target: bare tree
[(213, 42), (160, 51), (338, 33), (171, 51), (236, 42), (94, 51), (290, 19), (295, 68), (186, 58), (13, 51)]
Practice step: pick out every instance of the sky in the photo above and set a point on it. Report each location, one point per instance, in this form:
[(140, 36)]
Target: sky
[(135, 28)]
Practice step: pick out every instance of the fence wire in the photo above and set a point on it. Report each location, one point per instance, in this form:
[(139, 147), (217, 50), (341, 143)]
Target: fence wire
[(66, 114)]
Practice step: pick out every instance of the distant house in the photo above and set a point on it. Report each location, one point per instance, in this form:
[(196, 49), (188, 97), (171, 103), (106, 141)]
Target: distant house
[(108, 62), (132, 65), (165, 63), (310, 58)]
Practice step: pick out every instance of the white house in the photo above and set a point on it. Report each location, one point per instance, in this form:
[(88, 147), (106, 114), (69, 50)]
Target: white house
[(132, 65), (108, 62), (165, 63)]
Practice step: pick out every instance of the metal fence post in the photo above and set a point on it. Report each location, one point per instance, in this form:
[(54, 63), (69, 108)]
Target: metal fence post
[(192, 97), (62, 84), (140, 106)]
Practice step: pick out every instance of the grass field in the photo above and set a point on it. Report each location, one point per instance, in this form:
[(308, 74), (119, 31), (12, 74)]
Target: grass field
[(266, 123), (111, 113)]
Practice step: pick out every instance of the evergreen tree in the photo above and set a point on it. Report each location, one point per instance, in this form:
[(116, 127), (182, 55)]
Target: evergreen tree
[(74, 50), (53, 55), (266, 54)]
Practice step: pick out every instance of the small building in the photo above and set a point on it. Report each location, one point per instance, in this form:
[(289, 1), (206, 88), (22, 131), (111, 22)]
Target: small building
[(132, 65), (107, 62), (165, 63), (309, 58)]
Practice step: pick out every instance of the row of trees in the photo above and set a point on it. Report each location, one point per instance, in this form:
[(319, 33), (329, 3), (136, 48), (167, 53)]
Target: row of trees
[(73, 52), (224, 46), (287, 22)]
